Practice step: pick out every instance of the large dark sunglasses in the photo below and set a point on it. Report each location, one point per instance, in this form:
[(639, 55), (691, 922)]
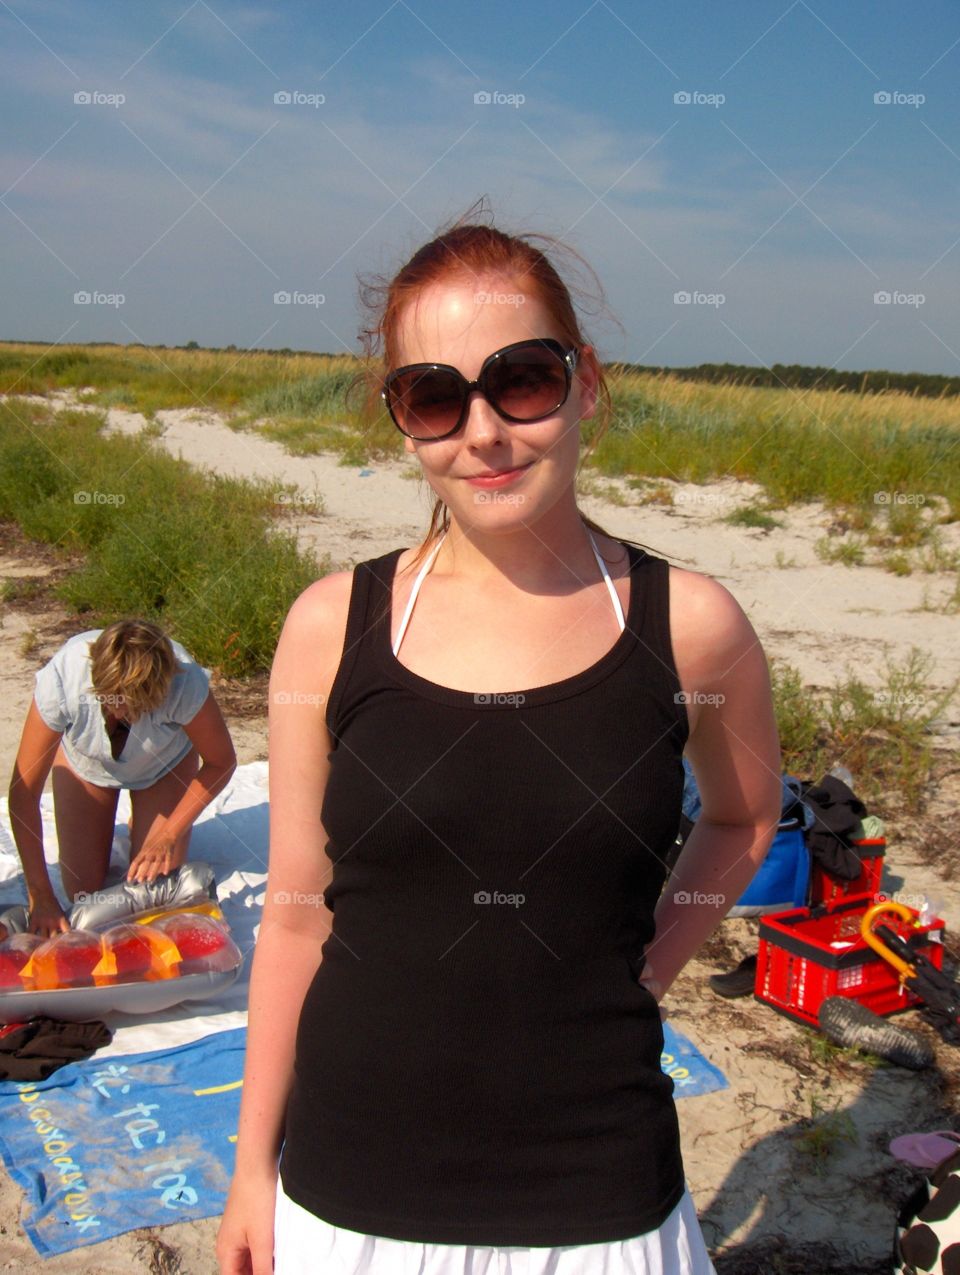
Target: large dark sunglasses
[(523, 382)]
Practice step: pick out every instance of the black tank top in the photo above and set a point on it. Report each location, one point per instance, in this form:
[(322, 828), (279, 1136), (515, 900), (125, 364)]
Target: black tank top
[(475, 1060)]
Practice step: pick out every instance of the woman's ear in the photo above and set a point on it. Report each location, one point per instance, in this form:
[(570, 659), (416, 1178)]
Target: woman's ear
[(587, 377)]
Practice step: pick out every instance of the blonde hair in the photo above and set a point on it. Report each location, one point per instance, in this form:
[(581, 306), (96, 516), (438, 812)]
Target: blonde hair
[(132, 660)]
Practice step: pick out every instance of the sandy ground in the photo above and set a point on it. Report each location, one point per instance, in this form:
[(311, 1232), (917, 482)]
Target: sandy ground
[(781, 1184)]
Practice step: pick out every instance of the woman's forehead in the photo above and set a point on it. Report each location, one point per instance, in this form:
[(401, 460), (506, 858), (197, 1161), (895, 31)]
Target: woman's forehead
[(451, 323)]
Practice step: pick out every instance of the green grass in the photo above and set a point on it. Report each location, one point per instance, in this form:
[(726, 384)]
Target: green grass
[(827, 1054), (882, 735), (897, 564), (151, 537), (885, 453), (851, 553), (823, 1132), (752, 516)]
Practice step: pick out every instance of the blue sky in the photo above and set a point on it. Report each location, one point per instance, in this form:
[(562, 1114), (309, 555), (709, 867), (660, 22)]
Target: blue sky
[(781, 199)]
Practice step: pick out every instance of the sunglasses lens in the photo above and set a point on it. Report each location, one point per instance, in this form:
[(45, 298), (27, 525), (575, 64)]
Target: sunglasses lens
[(527, 384), (425, 404)]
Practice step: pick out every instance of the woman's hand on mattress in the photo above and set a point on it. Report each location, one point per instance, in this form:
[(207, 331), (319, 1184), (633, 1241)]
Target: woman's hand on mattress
[(46, 918), (156, 856)]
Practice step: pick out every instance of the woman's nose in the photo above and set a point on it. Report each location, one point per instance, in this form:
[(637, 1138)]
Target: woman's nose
[(483, 424)]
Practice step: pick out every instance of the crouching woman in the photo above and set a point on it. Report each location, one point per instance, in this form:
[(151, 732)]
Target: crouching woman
[(114, 708)]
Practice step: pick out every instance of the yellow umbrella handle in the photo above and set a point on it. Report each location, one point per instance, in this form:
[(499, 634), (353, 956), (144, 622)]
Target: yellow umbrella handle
[(866, 930)]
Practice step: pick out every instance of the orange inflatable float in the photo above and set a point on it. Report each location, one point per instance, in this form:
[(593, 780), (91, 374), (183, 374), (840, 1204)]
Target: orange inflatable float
[(137, 965)]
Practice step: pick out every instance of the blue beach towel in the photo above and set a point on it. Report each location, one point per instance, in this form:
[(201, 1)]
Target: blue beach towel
[(691, 1073), (107, 1145)]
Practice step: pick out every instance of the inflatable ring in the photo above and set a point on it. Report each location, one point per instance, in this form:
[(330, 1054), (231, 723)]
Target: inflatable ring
[(127, 957)]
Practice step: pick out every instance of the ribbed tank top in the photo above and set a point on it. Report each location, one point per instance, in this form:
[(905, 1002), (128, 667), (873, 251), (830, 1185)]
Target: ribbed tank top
[(475, 1061)]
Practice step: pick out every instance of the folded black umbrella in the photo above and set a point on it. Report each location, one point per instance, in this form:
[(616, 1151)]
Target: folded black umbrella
[(940, 994)]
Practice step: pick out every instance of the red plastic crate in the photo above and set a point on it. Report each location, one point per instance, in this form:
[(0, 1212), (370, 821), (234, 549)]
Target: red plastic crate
[(797, 968), (824, 888)]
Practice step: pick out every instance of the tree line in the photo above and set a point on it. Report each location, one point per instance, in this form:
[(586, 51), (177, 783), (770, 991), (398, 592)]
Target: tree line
[(797, 376)]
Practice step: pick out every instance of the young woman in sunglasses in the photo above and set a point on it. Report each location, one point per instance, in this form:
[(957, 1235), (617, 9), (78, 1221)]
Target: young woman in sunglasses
[(475, 780)]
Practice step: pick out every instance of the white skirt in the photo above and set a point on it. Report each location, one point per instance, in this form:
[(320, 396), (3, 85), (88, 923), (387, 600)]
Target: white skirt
[(305, 1243)]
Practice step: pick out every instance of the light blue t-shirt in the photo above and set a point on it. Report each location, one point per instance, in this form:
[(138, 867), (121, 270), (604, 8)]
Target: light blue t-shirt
[(156, 741)]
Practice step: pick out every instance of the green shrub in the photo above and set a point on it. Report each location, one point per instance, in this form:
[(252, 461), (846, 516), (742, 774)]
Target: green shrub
[(159, 539)]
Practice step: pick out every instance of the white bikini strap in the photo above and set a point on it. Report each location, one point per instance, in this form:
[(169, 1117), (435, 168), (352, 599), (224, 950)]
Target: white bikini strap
[(609, 583), (424, 570), (413, 593)]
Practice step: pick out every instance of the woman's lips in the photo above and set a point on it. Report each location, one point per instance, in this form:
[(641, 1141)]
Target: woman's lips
[(498, 480)]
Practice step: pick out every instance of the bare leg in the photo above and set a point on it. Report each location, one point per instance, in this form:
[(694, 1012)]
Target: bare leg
[(154, 804), (85, 814)]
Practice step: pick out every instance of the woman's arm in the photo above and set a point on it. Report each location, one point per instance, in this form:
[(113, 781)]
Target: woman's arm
[(734, 749), (295, 920), (208, 733), (38, 747)]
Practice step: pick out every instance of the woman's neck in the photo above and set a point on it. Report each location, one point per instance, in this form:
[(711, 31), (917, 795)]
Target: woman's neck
[(535, 559)]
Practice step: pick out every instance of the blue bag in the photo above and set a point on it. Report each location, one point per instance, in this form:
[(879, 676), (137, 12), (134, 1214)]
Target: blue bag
[(782, 880)]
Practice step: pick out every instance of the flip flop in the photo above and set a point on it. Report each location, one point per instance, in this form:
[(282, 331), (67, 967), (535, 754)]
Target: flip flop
[(737, 982), (925, 1150)]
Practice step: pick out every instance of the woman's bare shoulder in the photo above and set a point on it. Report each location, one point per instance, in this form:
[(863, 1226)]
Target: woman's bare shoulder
[(707, 623), (314, 631), (324, 602), (321, 609), (701, 593)]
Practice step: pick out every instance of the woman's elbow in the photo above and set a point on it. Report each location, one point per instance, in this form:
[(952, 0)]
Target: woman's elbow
[(222, 765)]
